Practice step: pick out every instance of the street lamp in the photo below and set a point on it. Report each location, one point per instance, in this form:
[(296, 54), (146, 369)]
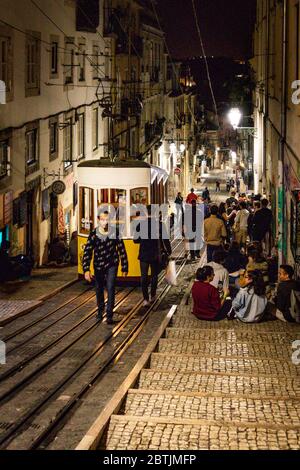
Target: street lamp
[(235, 117), (173, 147)]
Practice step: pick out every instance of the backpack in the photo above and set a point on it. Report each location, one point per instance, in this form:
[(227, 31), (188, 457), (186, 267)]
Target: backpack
[(295, 305)]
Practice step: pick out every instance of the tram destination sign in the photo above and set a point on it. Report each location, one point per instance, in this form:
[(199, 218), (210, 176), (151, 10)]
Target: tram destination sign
[(58, 187)]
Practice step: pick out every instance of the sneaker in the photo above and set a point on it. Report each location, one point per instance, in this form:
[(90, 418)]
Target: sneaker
[(146, 303), (99, 317), (110, 321)]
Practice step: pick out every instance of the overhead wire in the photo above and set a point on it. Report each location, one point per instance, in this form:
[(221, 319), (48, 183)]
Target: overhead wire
[(206, 62), (170, 56)]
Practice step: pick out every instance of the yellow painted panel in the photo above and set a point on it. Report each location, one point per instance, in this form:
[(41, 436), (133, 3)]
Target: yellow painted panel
[(132, 250)]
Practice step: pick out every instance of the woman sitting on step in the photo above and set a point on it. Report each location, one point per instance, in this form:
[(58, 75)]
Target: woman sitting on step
[(250, 303), (207, 302)]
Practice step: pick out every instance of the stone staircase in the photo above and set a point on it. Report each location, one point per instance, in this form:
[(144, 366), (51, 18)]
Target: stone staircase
[(222, 386)]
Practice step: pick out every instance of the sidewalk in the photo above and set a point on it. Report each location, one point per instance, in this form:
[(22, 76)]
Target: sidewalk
[(19, 298)]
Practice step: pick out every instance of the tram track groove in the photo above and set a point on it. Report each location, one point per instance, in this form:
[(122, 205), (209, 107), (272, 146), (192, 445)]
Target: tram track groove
[(45, 348), (35, 322), (21, 423), (19, 366)]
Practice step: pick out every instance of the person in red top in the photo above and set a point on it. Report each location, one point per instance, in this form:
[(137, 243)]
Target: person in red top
[(191, 197), (207, 302)]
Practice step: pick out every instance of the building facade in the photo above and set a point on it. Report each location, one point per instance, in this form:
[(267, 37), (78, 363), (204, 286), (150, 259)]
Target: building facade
[(277, 118), (51, 119), (82, 83)]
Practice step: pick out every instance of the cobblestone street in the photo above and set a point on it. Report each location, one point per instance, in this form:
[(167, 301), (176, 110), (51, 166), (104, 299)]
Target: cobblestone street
[(216, 386)]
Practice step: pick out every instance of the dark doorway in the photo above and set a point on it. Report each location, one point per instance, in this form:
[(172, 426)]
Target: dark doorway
[(53, 216), (29, 226)]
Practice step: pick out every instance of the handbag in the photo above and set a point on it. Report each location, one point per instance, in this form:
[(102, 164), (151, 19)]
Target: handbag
[(171, 276)]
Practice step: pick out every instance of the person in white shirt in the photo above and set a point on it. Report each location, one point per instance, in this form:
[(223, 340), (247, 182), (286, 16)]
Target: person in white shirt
[(241, 224), (221, 278)]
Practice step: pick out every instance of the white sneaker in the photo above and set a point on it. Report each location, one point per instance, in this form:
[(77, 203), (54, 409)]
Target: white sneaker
[(146, 303)]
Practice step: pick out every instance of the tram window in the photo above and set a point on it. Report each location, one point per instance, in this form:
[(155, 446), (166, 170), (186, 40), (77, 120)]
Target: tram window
[(139, 196), (118, 201), (103, 196), (86, 210)]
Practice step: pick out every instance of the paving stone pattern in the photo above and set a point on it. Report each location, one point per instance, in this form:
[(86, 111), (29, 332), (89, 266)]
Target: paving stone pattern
[(229, 348), (285, 412), (143, 435), (215, 386), (11, 308), (220, 384)]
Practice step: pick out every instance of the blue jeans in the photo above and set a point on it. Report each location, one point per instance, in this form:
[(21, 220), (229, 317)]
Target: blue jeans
[(210, 252), (155, 269), (107, 278)]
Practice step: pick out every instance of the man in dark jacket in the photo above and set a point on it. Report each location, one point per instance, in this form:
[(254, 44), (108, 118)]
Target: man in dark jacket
[(281, 303), (154, 244), (108, 251), (261, 222)]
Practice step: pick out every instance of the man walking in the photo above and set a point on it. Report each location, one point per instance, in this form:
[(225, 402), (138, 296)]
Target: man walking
[(214, 233), (191, 197), (108, 251), (155, 248), (262, 221), (241, 224), (218, 189)]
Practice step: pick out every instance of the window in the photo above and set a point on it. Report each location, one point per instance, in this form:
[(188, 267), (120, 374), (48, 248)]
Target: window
[(95, 128), (4, 158), (53, 139), (31, 146), (69, 61), (95, 61), (5, 62), (80, 135), (32, 77), (106, 67), (54, 58), (68, 144), (81, 62), (86, 210)]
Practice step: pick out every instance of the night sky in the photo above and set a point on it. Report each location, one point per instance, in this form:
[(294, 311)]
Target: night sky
[(226, 27)]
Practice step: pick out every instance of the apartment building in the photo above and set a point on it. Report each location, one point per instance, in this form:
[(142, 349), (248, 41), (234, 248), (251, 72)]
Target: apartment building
[(55, 64), (277, 118)]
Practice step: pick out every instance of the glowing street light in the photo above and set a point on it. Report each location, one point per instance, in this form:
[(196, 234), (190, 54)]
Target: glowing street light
[(235, 117), (173, 147), (182, 148)]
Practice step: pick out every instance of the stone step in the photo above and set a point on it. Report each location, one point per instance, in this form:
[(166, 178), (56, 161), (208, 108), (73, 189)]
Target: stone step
[(239, 385), (138, 433), (228, 409), (225, 348), (232, 335), (190, 321), (253, 366)]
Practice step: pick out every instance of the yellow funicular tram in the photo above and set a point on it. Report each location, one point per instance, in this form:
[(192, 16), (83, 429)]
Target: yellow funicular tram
[(128, 183)]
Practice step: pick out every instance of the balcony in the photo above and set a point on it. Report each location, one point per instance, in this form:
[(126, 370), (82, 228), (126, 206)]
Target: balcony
[(154, 130)]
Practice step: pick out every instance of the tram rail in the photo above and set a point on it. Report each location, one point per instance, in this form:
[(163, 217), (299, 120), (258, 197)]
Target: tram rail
[(17, 427)]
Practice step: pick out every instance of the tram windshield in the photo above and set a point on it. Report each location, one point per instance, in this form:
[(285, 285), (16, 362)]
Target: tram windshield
[(86, 210)]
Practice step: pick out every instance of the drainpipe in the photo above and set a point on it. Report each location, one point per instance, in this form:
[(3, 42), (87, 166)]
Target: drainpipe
[(266, 110), (281, 182)]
